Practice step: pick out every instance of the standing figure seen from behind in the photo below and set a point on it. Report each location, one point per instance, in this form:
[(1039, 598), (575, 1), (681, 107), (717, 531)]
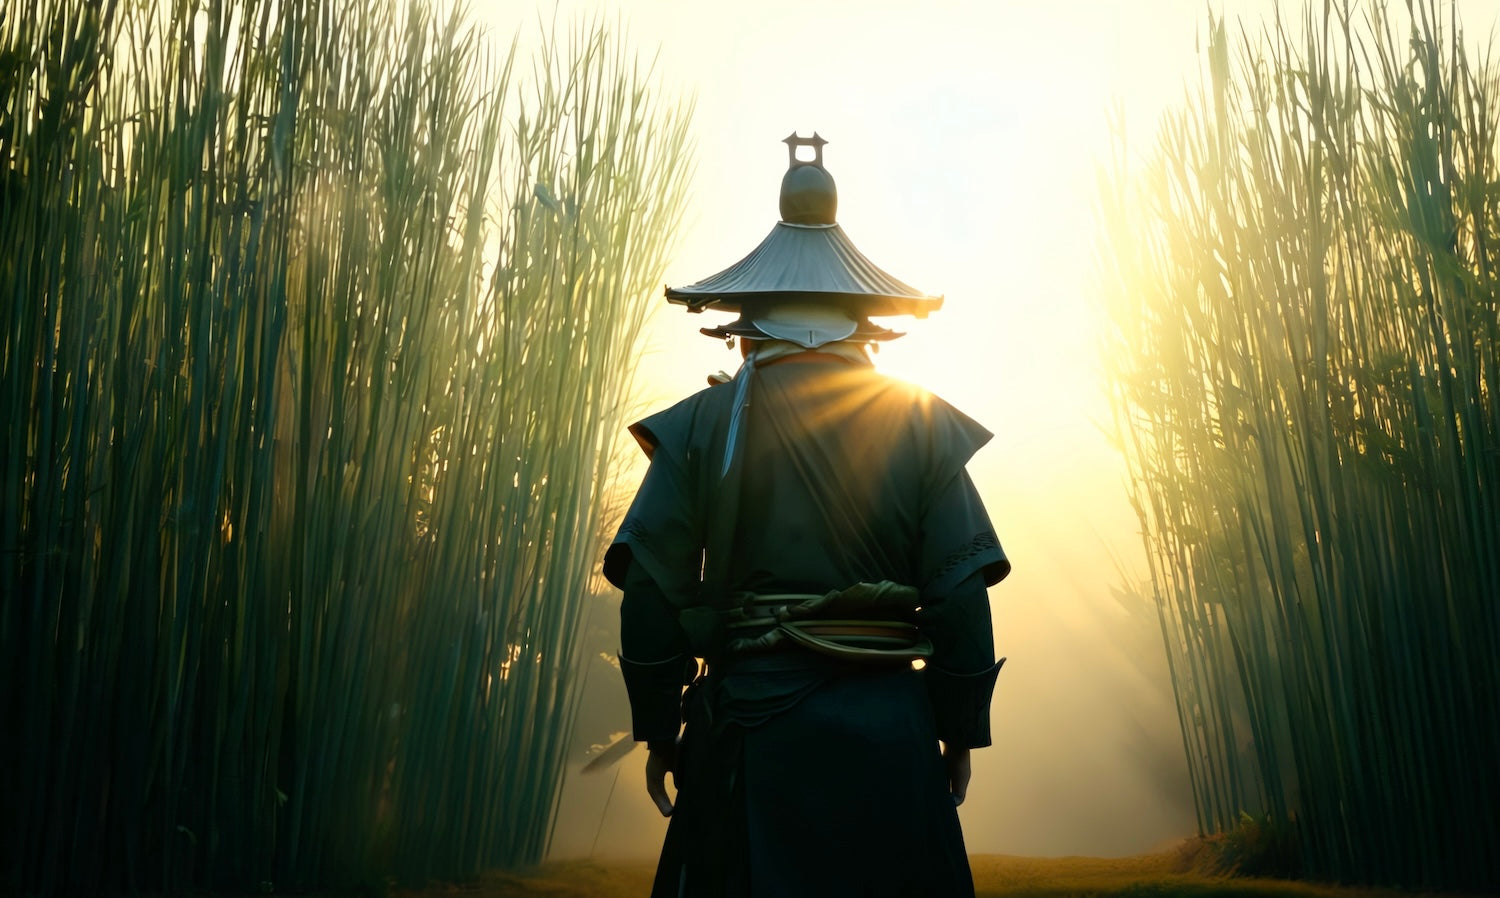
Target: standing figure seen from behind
[(808, 530)]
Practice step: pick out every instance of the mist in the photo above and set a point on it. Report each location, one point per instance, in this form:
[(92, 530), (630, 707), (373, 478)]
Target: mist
[(968, 143)]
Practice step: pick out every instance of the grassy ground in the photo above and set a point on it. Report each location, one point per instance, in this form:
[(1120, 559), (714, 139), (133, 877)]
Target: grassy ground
[(1148, 876)]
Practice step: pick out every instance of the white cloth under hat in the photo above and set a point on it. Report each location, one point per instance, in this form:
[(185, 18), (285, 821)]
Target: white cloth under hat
[(807, 324)]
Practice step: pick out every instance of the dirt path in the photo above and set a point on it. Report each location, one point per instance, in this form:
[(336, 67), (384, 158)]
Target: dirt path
[(1148, 876)]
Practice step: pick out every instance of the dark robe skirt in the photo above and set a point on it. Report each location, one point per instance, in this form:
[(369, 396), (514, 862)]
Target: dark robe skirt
[(857, 747)]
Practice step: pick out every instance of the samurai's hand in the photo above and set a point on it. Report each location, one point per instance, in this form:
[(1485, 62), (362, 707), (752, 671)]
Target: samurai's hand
[(661, 760), (956, 763)]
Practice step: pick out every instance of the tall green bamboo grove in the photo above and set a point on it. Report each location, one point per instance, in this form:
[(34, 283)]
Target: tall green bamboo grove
[(315, 330), (1304, 282)]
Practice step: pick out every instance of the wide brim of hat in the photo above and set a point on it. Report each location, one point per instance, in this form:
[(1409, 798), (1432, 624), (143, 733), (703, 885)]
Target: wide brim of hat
[(802, 263), (865, 331)]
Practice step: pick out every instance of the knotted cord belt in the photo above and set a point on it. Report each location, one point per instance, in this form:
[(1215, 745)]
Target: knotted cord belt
[(845, 623)]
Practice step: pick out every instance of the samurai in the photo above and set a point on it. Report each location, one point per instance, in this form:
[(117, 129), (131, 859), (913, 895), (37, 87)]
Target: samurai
[(805, 630)]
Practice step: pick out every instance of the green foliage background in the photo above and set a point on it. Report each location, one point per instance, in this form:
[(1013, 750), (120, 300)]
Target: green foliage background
[(315, 337), (1305, 305)]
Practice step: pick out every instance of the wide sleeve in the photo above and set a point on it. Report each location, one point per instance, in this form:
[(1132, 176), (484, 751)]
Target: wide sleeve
[(960, 557), (656, 559)]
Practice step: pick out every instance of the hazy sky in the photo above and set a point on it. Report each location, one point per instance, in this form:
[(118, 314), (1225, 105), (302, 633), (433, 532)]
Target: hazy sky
[(964, 138)]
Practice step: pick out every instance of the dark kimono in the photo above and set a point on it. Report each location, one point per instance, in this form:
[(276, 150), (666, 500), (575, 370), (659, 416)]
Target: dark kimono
[(799, 774)]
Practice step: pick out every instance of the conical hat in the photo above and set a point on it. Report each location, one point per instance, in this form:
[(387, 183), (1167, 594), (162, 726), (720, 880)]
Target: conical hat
[(807, 257)]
